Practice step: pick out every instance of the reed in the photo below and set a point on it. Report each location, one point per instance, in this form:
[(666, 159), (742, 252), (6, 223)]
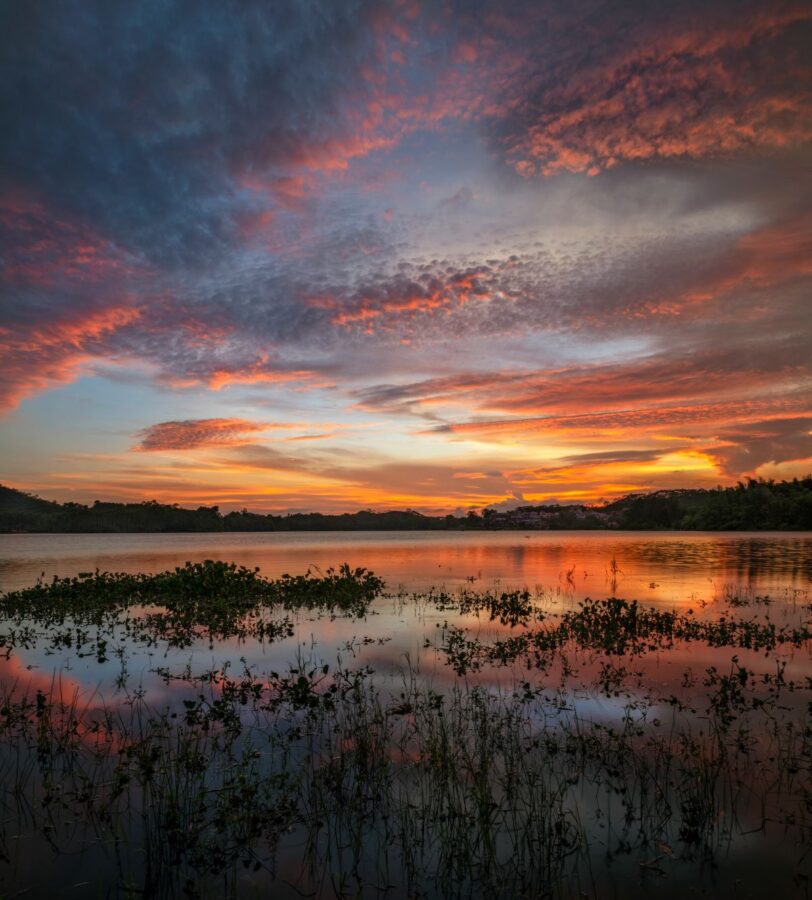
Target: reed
[(324, 780)]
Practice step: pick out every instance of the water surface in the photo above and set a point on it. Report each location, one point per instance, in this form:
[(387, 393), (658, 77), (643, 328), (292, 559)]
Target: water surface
[(666, 693), (675, 567)]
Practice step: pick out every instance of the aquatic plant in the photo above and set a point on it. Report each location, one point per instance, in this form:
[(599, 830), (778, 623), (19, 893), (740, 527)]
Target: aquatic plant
[(318, 779), (615, 627), (211, 599)]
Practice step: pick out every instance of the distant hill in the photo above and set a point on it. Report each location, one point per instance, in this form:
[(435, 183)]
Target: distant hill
[(18, 502), (752, 506)]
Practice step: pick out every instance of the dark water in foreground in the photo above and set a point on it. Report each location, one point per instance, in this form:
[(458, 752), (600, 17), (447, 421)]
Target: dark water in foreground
[(676, 763)]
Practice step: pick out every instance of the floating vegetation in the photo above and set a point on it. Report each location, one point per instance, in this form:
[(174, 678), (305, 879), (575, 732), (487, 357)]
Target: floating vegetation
[(541, 750), (212, 600), (508, 607)]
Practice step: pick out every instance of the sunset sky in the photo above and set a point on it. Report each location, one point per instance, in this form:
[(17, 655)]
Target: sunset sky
[(336, 255)]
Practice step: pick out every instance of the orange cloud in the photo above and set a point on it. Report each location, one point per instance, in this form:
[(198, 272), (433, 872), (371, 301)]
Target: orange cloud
[(674, 469), (43, 356), (387, 305), (672, 387), (94, 284), (696, 92), (607, 424), (256, 373), (766, 257), (193, 434)]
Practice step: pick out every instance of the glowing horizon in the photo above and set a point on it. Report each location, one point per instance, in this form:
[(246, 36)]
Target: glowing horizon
[(396, 254)]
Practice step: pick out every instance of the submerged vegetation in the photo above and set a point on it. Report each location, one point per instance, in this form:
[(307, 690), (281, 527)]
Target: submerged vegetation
[(616, 628), (603, 750), (757, 505)]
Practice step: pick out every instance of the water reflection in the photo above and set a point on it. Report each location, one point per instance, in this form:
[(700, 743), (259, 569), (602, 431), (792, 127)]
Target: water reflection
[(646, 736), (673, 568)]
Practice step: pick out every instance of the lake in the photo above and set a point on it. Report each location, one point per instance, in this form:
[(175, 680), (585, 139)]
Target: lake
[(487, 725), (669, 567)]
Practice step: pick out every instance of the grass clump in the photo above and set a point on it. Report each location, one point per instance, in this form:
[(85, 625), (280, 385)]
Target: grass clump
[(210, 599)]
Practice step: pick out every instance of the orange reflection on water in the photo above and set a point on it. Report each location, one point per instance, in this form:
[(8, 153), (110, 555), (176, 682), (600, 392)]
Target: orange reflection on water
[(674, 568)]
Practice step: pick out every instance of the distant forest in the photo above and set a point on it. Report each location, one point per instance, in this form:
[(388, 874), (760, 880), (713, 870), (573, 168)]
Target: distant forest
[(749, 506)]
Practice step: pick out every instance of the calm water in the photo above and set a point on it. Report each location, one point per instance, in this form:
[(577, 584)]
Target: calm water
[(401, 638), (664, 570), (676, 568)]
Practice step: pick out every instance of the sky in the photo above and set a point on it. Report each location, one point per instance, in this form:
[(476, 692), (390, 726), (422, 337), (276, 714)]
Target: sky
[(312, 255)]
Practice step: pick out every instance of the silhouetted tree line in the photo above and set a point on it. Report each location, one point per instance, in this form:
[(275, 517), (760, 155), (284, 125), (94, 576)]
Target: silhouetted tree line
[(22, 512), (755, 505)]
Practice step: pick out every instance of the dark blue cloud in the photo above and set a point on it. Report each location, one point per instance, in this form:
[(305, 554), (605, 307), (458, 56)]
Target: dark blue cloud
[(138, 116)]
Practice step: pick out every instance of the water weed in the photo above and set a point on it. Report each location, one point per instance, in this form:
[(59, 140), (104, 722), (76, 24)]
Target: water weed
[(523, 752)]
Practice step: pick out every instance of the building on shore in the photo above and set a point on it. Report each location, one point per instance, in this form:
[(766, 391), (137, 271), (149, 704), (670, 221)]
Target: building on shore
[(546, 517)]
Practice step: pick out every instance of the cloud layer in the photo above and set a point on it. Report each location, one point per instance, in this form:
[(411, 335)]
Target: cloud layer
[(468, 236)]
